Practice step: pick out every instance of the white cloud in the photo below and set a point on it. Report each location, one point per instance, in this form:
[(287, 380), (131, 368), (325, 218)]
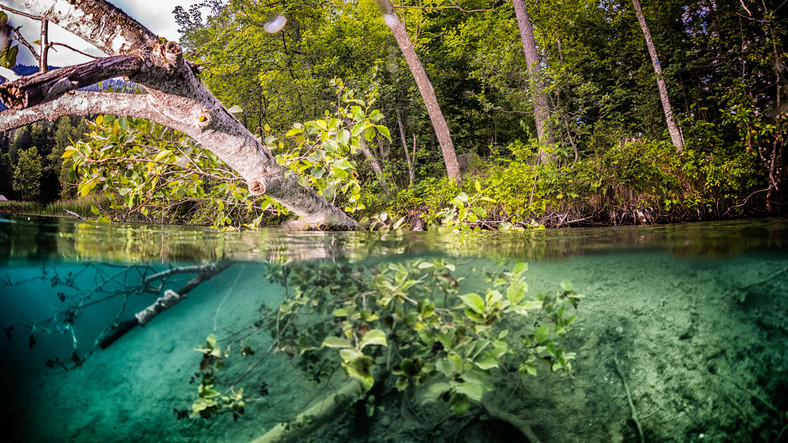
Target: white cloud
[(156, 15)]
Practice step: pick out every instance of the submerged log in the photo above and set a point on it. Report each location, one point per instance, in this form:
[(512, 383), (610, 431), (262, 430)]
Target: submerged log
[(170, 299), (315, 416)]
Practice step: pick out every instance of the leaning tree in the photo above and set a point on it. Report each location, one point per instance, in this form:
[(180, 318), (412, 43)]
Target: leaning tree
[(175, 98)]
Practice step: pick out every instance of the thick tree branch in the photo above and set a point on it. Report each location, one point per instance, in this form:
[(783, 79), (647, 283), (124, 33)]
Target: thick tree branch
[(176, 98), (96, 22), (39, 88)]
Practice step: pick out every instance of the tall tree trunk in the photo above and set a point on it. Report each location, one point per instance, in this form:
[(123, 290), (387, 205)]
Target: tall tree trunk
[(425, 88), (541, 107), (675, 135)]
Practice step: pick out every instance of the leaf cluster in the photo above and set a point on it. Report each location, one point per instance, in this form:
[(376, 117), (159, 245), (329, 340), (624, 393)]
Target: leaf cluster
[(410, 322)]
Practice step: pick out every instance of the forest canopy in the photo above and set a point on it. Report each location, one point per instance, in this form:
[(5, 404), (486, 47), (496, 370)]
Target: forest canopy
[(595, 87)]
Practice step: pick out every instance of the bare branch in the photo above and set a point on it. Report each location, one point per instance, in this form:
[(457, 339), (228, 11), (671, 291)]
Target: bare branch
[(21, 39), (17, 12), (38, 88), (82, 103), (73, 49)]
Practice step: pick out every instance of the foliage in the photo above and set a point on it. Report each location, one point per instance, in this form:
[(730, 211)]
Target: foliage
[(413, 323), (8, 53), (160, 174), (154, 171), (724, 65), (210, 402), (27, 174), (320, 151)]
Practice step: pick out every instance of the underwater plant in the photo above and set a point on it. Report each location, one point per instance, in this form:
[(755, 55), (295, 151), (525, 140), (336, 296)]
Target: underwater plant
[(406, 325)]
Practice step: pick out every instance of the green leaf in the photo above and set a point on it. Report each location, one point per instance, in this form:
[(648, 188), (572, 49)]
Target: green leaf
[(343, 164), (373, 337), (358, 129), (540, 335), (8, 57), (384, 131), (474, 389), (336, 342), (486, 361), (162, 154), (473, 301), (435, 391), (459, 403), (358, 366), (343, 137), (375, 115), (369, 134), (527, 369)]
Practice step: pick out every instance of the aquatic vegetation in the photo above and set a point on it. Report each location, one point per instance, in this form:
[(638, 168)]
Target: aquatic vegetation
[(413, 324)]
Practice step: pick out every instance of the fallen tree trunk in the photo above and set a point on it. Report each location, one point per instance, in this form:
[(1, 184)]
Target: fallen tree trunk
[(315, 416), (170, 298)]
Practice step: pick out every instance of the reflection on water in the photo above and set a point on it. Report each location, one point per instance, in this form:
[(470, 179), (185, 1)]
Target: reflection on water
[(38, 238), (695, 316)]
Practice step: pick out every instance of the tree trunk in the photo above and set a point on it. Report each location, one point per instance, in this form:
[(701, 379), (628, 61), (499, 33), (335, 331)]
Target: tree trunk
[(675, 135), (43, 61), (411, 172), (374, 164), (425, 88), (176, 98), (541, 107)]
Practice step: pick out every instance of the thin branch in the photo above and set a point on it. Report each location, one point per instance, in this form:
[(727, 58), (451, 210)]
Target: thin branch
[(745, 7), (74, 49), (147, 161), (21, 39), (629, 399), (18, 12)]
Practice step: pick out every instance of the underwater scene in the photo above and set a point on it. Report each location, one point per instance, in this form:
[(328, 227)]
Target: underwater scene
[(124, 332)]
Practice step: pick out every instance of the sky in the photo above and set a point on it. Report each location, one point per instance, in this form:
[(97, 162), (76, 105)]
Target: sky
[(156, 15)]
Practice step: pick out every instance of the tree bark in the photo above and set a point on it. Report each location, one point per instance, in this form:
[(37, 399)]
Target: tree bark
[(541, 106), (374, 164), (411, 172), (43, 62), (675, 134), (425, 88), (176, 98)]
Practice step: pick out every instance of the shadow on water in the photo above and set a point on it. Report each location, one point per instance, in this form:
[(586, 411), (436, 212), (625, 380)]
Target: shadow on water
[(680, 336)]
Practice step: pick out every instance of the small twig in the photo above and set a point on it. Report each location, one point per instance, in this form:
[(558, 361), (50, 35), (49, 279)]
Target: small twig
[(654, 412), (752, 393), (629, 399), (74, 214), (94, 57)]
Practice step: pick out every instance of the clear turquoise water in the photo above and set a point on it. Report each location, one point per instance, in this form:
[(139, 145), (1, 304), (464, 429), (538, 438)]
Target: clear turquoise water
[(695, 315)]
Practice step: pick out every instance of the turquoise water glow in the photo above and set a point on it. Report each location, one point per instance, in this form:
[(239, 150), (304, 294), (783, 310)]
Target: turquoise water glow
[(694, 314)]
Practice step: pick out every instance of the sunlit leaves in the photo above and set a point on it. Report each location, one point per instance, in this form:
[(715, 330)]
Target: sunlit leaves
[(322, 151), (157, 173)]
